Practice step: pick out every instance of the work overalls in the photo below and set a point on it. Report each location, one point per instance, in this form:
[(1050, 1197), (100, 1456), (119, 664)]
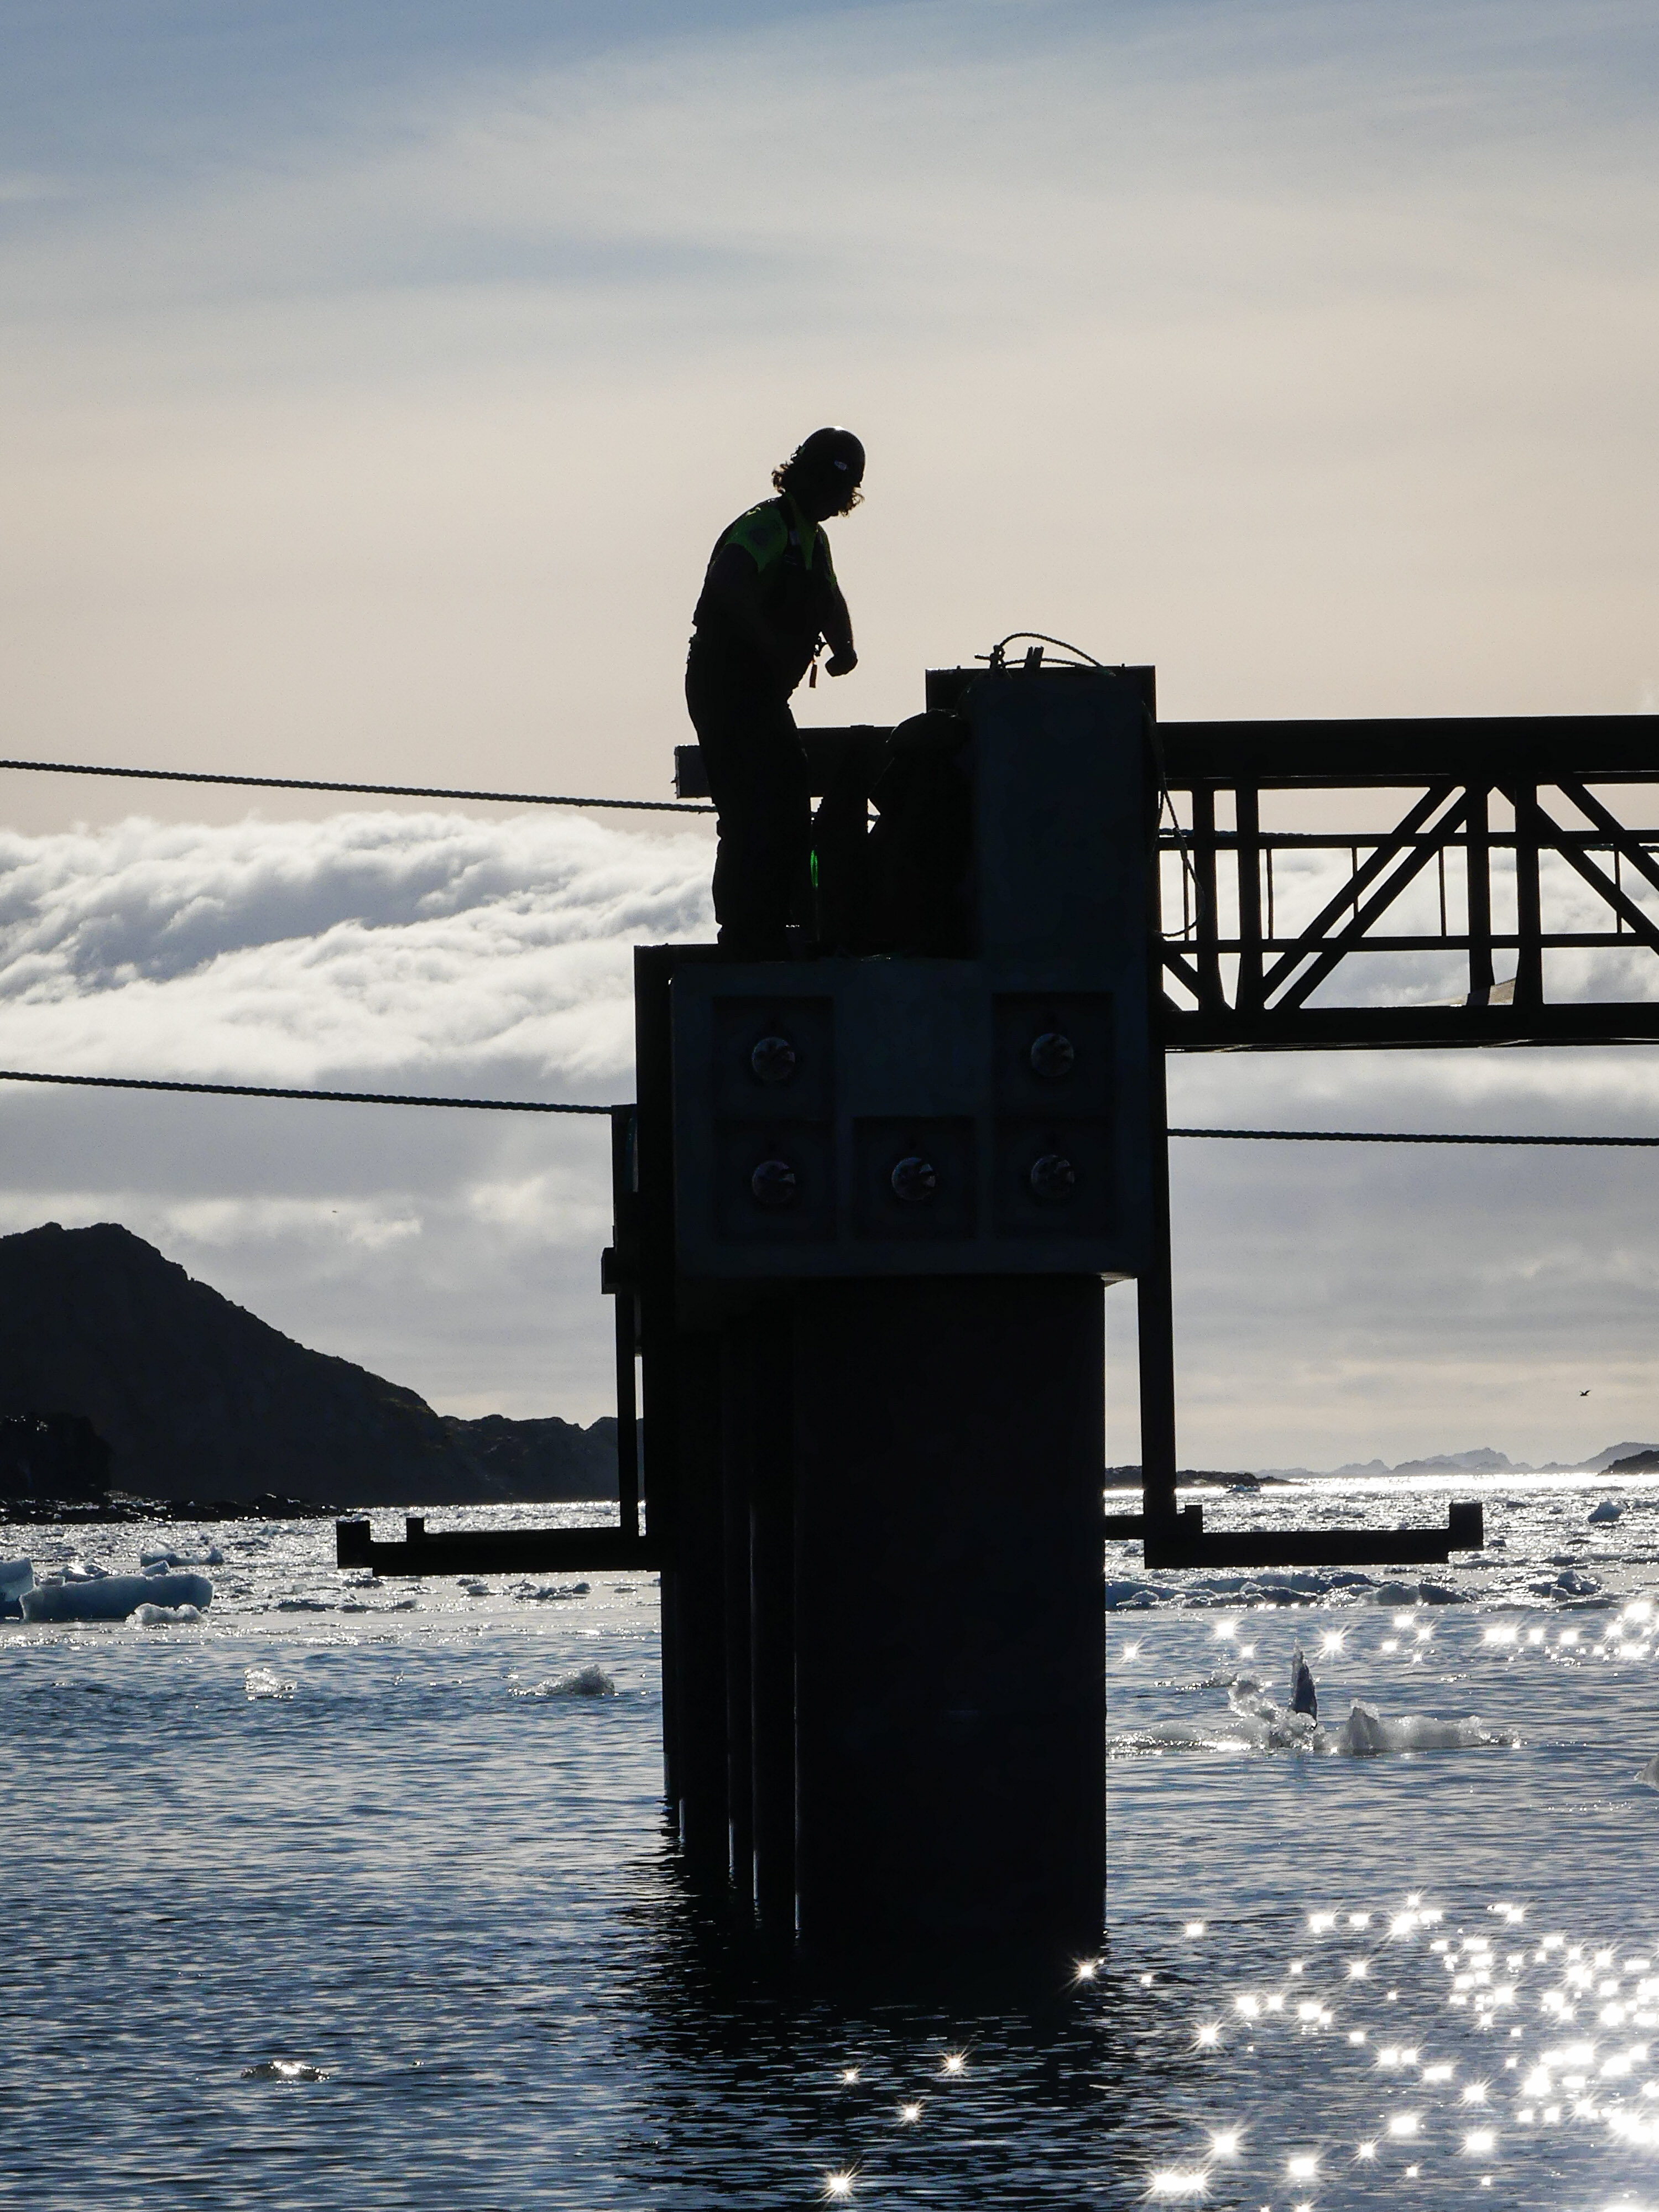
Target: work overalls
[(751, 752)]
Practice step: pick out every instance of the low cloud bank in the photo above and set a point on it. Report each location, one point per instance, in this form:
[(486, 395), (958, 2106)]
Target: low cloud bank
[(1333, 1303), (366, 946)]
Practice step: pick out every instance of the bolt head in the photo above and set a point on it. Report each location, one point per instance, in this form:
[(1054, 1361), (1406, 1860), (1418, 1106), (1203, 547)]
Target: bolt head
[(774, 1185), (1053, 1056), (1053, 1177), (914, 1180), (773, 1060)]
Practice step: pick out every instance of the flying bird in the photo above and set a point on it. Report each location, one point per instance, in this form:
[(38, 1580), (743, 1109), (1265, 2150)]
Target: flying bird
[(1584, 1394)]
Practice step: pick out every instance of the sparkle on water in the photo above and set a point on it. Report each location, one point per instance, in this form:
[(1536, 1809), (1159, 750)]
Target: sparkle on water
[(456, 1904)]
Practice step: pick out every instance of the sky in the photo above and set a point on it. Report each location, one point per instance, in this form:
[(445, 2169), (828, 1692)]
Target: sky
[(373, 381)]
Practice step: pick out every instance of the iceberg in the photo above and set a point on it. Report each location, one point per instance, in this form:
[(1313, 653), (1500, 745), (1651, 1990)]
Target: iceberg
[(113, 1597), (16, 1576)]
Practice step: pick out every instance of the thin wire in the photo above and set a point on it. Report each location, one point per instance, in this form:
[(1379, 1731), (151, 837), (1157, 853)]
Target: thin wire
[(274, 1091), (362, 790), (1038, 637), (1407, 1137)]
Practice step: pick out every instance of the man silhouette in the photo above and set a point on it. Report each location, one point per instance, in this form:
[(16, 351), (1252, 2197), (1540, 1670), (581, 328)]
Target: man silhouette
[(770, 599)]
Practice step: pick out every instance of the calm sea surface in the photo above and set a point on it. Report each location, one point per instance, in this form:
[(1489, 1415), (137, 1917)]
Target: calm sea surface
[(358, 1895)]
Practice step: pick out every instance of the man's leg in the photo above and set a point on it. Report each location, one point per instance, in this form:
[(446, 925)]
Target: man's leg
[(757, 778)]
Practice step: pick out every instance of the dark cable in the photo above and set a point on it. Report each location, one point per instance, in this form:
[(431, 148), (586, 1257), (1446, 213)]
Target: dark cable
[(362, 790), (1037, 637), (273, 1090), (543, 1106), (1404, 1137)]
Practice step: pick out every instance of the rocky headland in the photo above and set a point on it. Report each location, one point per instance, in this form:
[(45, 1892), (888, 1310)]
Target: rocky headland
[(123, 1380)]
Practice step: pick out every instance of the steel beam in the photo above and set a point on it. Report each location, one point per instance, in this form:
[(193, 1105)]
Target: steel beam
[(492, 1550)]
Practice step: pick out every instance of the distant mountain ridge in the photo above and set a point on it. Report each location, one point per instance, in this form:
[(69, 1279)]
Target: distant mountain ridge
[(1483, 1460), (198, 1398)]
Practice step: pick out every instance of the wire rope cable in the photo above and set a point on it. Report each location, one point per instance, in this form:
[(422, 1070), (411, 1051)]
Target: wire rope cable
[(282, 1090), (359, 790), (562, 1106), (1410, 1137)]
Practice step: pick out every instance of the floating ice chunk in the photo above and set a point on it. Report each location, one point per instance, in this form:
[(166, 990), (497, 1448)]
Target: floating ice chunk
[(589, 1682), (1571, 1581), (1366, 1734), (113, 1597), (150, 1561), (283, 2070), (540, 1592), (16, 1576), (1304, 1699), (1363, 1735), (1608, 1509), (266, 1682), (164, 1616)]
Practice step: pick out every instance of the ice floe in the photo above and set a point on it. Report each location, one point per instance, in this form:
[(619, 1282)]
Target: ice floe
[(96, 1596), (266, 1682), (589, 1682), (1256, 1721), (16, 1576)]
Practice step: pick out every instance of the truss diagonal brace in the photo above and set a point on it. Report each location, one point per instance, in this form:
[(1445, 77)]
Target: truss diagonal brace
[(1410, 868), (1624, 841), (1641, 924), (1313, 937)]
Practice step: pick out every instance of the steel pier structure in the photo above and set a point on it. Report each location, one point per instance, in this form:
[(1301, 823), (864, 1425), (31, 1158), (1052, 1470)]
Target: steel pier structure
[(867, 1201)]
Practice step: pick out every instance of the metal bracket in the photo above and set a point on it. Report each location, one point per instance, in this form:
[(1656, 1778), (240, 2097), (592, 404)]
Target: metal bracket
[(1181, 1542), (492, 1550)]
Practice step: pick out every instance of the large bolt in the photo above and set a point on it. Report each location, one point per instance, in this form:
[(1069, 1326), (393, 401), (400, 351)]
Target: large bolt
[(774, 1185), (1053, 1176), (1053, 1056), (773, 1060), (914, 1180)]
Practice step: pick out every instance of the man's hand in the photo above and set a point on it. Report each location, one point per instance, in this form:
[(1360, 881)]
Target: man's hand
[(841, 664)]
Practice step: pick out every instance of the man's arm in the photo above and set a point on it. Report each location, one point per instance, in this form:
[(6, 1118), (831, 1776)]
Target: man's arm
[(838, 634)]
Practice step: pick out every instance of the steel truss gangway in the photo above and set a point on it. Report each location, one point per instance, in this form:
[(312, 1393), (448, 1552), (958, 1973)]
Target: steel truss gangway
[(1514, 833)]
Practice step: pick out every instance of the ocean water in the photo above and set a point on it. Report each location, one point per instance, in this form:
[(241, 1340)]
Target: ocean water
[(358, 1895)]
